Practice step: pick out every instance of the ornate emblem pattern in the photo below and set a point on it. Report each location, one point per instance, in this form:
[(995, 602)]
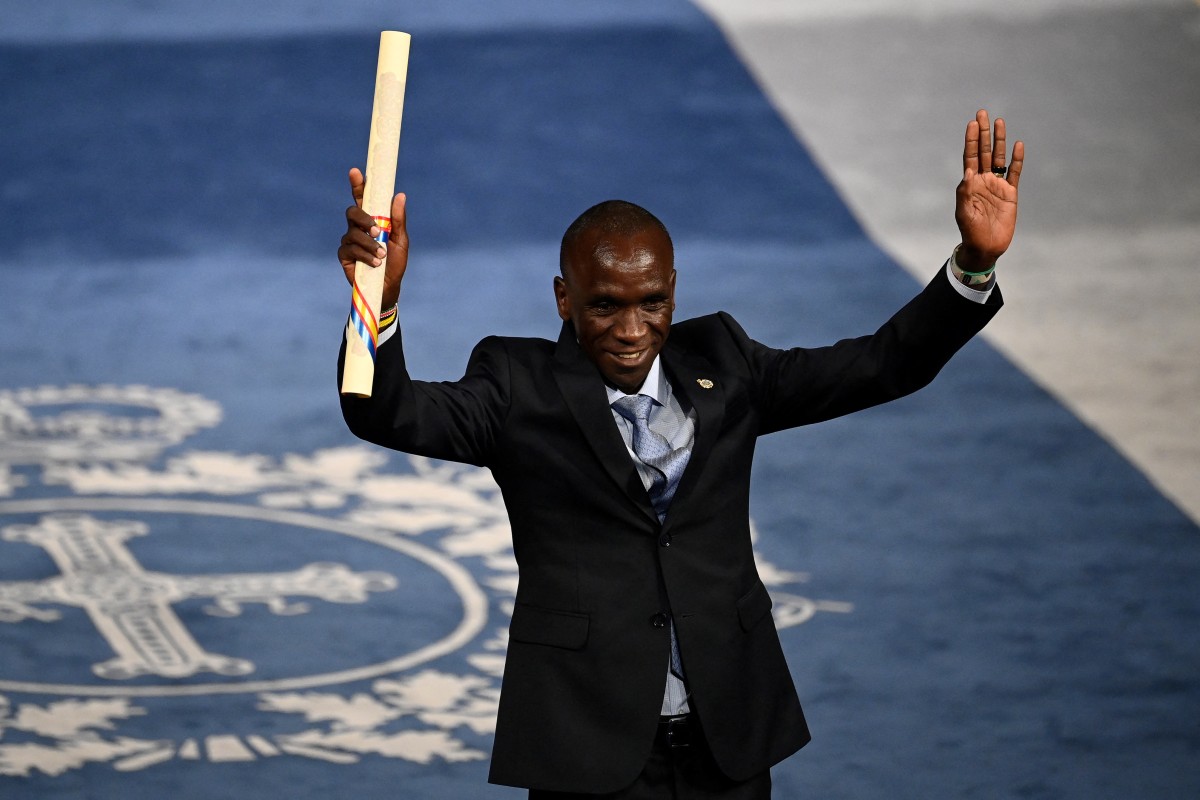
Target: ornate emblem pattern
[(83, 470)]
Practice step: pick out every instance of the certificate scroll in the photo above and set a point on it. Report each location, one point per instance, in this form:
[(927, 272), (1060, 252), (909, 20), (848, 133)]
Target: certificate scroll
[(362, 329)]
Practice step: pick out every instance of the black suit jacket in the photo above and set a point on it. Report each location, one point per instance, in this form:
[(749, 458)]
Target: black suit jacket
[(588, 648)]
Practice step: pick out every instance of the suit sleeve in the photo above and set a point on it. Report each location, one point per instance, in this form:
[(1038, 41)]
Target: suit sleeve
[(801, 386), (455, 420)]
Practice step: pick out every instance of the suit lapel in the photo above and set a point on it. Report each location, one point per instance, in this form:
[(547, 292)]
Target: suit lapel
[(583, 390), (692, 376)]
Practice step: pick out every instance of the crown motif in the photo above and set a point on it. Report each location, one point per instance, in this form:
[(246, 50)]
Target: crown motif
[(97, 423)]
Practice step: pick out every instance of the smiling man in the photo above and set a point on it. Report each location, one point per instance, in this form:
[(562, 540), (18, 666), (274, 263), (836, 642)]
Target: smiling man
[(617, 289), (643, 661)]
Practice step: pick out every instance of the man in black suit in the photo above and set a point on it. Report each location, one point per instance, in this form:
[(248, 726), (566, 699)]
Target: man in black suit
[(643, 661)]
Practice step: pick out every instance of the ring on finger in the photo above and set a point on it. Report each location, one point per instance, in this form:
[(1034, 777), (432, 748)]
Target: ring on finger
[(1001, 171)]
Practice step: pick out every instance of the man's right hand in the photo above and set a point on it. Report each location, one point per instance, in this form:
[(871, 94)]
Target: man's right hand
[(359, 242)]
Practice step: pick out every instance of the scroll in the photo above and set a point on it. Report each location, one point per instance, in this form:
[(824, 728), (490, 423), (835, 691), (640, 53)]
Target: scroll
[(362, 330)]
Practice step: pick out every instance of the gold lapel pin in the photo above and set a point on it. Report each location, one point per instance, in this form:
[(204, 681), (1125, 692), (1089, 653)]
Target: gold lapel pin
[(705, 383)]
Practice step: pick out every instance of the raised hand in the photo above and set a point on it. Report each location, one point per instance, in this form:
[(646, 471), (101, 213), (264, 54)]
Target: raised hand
[(358, 244), (986, 199)]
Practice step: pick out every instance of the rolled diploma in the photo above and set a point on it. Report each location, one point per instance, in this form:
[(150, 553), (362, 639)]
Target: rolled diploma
[(362, 330)]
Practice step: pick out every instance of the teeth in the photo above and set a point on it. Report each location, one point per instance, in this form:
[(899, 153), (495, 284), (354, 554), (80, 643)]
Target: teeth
[(628, 356)]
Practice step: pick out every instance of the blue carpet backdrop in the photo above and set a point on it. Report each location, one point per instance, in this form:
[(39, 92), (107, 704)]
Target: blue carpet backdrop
[(209, 589)]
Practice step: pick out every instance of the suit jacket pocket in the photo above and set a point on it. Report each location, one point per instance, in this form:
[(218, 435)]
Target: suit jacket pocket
[(753, 606), (534, 625)]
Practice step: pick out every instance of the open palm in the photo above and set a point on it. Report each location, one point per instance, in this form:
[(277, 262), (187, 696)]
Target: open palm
[(986, 198)]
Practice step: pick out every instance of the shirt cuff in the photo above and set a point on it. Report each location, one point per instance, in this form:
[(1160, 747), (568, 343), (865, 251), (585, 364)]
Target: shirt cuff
[(972, 294)]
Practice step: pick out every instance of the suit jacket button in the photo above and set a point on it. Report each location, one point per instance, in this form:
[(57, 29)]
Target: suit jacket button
[(659, 620), (664, 540)]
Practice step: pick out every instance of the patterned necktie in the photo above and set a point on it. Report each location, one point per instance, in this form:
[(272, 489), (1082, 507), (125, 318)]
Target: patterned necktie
[(654, 451)]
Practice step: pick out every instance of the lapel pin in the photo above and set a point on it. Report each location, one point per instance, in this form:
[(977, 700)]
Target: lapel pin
[(705, 383)]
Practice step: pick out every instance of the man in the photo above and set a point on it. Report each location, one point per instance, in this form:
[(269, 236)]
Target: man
[(643, 661)]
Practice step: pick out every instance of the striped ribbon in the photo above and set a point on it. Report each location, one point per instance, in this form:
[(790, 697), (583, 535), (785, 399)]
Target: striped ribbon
[(385, 229), (362, 318)]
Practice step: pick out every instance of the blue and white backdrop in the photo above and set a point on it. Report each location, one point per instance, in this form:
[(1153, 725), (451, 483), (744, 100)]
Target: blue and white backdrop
[(209, 589)]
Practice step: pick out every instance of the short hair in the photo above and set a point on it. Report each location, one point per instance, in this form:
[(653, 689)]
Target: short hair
[(609, 217)]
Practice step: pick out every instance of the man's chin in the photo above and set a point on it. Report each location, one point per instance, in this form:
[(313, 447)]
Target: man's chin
[(628, 379)]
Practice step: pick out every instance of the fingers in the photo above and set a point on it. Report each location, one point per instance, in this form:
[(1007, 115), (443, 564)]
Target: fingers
[(985, 141), (351, 253), (1018, 163), (357, 218), (985, 146), (363, 241), (358, 243), (397, 251), (357, 182), (971, 147), (998, 147), (399, 235), (360, 227)]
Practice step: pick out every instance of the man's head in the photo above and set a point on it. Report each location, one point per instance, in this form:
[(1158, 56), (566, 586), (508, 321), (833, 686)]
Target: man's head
[(617, 288)]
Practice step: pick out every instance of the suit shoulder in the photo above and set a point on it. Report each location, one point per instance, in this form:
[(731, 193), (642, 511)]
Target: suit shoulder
[(719, 325), (516, 348), (519, 344)]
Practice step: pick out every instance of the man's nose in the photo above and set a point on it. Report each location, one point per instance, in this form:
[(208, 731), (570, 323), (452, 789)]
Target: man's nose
[(630, 325)]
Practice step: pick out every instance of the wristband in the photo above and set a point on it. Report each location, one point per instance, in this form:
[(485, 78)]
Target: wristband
[(967, 277)]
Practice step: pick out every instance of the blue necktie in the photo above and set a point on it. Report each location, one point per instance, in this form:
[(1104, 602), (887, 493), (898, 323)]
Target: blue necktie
[(653, 450)]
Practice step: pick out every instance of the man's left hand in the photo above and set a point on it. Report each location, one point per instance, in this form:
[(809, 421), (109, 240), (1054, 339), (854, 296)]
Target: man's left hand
[(986, 202)]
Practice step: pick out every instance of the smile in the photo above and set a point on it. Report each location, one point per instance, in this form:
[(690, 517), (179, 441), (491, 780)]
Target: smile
[(629, 356)]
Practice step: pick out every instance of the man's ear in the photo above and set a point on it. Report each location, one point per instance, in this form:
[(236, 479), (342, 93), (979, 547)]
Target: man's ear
[(561, 300)]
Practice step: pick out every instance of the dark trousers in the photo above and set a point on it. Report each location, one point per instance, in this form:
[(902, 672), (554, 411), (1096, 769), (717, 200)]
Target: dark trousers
[(678, 773)]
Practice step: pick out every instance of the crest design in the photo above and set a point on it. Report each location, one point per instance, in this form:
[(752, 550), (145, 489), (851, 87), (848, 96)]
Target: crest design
[(82, 431), (85, 494), (131, 606)]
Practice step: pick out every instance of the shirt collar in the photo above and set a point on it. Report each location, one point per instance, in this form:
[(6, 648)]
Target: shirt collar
[(655, 386)]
